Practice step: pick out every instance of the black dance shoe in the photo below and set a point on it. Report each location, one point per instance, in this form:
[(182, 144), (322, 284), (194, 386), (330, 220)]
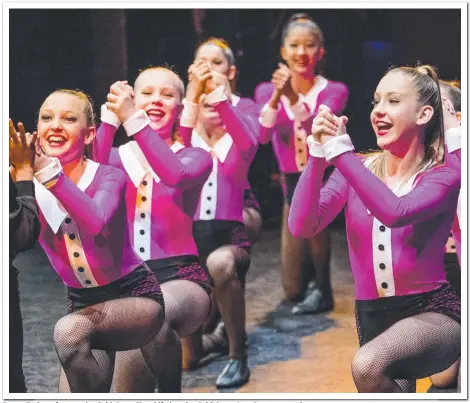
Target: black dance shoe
[(315, 302), (236, 373)]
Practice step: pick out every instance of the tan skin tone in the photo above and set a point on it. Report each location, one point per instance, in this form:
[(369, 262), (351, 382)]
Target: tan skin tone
[(301, 52), (21, 152)]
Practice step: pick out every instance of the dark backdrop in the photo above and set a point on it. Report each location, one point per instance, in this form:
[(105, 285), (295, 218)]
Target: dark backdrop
[(90, 49)]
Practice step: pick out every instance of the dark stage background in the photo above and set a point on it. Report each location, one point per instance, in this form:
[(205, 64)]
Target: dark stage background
[(90, 49)]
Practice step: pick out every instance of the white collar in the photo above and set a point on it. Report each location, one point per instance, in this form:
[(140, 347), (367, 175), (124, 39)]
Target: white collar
[(52, 210), (310, 98), (235, 100), (221, 148), (135, 163)]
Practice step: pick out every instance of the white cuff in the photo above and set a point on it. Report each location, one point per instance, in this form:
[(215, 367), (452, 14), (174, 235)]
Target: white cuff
[(136, 122), (268, 116), (189, 114), (109, 117), (216, 96), (336, 146), (300, 110), (453, 139), (314, 148), (49, 171)]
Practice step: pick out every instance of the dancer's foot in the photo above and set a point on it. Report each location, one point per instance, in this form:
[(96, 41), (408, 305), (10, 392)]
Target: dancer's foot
[(216, 342), (315, 302), (236, 373)]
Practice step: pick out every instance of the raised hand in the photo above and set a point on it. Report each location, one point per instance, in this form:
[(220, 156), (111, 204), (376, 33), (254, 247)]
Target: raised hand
[(217, 80), (327, 125), (21, 146), (199, 72), (120, 100), (282, 80)]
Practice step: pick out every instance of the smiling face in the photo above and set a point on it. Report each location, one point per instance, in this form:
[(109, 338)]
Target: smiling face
[(302, 50), (397, 116), (63, 127), (217, 60), (159, 93)]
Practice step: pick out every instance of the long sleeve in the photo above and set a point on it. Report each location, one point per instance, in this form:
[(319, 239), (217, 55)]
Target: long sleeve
[(92, 214), (192, 168), (267, 122), (24, 216), (431, 196), (313, 206)]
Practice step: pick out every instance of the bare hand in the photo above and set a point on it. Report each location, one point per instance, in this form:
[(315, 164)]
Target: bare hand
[(21, 146), (121, 100), (217, 80), (327, 125), (41, 160), (199, 72), (282, 80)]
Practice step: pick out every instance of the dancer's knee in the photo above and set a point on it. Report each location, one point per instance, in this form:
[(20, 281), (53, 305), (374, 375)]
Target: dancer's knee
[(222, 267), (71, 336)]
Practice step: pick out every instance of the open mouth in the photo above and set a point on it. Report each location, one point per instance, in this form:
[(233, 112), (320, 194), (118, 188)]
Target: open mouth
[(155, 115), (383, 128), (56, 140)]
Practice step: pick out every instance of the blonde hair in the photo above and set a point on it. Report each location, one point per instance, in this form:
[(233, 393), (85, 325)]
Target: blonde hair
[(89, 105), (179, 82), (426, 84), (223, 45)]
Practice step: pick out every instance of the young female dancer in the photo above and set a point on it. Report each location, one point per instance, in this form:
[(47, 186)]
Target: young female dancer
[(114, 300), (164, 181), (290, 102), (400, 204), (220, 59), (218, 228)]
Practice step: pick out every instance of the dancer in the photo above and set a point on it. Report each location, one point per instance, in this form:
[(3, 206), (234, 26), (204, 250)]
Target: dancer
[(218, 228), (400, 204), (114, 300), (290, 102), (24, 232), (164, 181), (220, 59)]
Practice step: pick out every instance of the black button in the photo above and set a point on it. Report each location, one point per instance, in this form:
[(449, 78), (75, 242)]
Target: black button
[(452, 246), (144, 183), (299, 139), (210, 183), (144, 198), (382, 266), (68, 220), (81, 269), (142, 215), (299, 150), (450, 235), (142, 249), (384, 285), (76, 254), (208, 211), (302, 164), (142, 232), (72, 236), (209, 198), (87, 282), (382, 228), (381, 247)]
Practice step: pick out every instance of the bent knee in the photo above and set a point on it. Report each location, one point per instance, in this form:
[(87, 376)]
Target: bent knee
[(222, 266)]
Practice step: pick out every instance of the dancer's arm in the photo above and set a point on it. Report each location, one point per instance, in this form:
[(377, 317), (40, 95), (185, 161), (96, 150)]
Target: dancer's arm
[(102, 147)]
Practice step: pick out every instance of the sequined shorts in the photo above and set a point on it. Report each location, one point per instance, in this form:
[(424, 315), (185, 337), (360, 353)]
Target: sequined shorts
[(139, 283), (373, 317), (185, 267)]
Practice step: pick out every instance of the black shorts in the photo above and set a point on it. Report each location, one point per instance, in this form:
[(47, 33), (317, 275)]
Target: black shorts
[(373, 317), (212, 234), (139, 283), (289, 183), (185, 267), (453, 273)]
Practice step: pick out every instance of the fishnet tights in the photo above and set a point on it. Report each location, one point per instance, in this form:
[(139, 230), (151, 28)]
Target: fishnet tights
[(186, 308), (411, 349), (115, 325)]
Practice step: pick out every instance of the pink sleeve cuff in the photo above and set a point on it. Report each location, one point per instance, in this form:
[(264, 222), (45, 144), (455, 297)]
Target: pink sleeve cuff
[(453, 139), (314, 148), (337, 146), (268, 116), (189, 114), (109, 117), (49, 172), (136, 122)]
